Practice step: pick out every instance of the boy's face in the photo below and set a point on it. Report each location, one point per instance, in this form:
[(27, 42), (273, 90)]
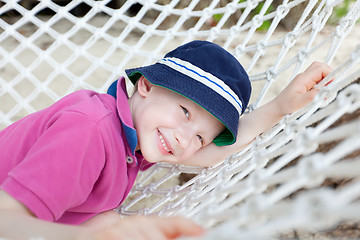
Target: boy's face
[(170, 127)]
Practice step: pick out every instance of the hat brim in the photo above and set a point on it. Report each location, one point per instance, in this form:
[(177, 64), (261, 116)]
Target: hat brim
[(210, 100)]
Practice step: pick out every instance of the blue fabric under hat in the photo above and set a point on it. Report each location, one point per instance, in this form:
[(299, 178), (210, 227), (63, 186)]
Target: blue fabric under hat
[(207, 74)]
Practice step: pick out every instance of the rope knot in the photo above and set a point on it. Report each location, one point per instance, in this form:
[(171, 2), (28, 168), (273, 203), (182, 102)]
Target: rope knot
[(270, 74), (257, 21), (289, 40), (303, 55), (282, 11)]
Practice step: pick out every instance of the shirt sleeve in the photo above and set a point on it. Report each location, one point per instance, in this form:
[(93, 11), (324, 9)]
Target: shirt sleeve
[(61, 168)]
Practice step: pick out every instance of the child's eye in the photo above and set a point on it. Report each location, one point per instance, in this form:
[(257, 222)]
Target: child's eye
[(200, 139), (186, 112)]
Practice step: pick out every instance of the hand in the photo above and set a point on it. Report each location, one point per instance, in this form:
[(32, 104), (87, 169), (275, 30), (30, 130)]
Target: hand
[(105, 226), (302, 89), (111, 226)]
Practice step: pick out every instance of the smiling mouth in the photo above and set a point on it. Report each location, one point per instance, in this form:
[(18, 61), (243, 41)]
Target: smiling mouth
[(166, 148)]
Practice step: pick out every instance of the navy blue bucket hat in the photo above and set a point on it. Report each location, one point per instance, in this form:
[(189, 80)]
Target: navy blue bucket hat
[(208, 75)]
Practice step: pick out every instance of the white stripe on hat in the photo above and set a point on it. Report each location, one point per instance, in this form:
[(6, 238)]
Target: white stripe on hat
[(205, 78)]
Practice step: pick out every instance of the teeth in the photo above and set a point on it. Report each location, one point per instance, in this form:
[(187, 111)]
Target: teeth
[(163, 142)]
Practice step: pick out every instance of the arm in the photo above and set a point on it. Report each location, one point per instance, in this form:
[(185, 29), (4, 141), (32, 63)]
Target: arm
[(296, 95), (18, 223), (300, 92)]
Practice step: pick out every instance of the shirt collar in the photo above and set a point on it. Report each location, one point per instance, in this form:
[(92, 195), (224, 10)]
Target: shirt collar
[(118, 90)]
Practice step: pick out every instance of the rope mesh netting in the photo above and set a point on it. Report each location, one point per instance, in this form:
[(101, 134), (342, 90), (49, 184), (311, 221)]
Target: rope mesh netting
[(300, 177)]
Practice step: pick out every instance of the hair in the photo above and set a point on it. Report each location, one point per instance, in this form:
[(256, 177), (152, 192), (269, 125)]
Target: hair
[(136, 86)]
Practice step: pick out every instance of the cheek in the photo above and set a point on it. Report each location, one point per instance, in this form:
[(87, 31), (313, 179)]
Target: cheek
[(169, 116), (217, 128), (150, 119), (190, 152)]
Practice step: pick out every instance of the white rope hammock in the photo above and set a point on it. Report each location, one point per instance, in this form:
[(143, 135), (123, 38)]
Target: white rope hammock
[(278, 184)]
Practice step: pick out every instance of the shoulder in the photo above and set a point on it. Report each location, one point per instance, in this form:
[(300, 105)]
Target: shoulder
[(92, 104)]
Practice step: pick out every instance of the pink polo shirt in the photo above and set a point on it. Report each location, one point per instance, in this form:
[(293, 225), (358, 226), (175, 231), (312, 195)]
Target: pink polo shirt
[(72, 160)]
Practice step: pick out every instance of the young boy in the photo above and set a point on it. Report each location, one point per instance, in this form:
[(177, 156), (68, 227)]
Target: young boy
[(79, 157)]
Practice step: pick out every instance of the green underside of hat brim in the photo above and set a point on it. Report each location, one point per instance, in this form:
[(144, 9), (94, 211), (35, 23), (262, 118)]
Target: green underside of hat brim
[(223, 139), (134, 76)]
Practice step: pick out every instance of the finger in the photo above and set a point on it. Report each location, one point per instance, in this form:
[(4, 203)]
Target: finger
[(177, 226), (322, 68), (317, 65), (315, 73)]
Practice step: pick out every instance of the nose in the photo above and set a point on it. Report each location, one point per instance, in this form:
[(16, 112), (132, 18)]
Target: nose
[(184, 135)]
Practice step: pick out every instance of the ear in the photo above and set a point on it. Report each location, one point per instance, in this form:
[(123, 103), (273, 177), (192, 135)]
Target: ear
[(144, 86)]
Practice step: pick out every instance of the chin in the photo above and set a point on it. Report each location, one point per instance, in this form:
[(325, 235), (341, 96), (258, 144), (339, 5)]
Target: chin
[(152, 159), (149, 156)]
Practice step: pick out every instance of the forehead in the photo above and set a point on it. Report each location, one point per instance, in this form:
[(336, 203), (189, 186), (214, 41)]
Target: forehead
[(173, 95)]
